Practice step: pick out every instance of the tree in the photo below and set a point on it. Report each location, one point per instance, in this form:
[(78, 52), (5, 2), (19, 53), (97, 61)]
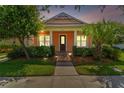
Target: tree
[(101, 33), (120, 34), (19, 22)]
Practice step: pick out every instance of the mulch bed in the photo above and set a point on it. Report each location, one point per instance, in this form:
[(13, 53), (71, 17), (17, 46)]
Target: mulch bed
[(90, 60)]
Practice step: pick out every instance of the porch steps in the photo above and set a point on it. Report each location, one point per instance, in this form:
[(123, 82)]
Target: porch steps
[(63, 57), (64, 64)]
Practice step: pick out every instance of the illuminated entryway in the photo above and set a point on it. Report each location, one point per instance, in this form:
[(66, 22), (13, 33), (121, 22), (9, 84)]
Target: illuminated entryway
[(62, 43)]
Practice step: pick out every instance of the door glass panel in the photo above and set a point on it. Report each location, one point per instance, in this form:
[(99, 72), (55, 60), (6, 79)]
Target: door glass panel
[(62, 40)]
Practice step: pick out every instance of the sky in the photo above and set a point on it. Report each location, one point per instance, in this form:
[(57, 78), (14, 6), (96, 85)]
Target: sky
[(88, 13)]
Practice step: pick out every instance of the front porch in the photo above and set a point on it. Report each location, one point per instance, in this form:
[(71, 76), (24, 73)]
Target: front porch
[(63, 56)]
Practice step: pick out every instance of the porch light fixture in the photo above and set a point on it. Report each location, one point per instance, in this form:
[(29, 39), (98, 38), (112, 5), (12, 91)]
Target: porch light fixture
[(69, 54), (56, 56), (45, 59)]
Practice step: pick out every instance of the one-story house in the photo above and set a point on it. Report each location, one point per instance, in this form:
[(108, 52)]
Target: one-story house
[(63, 31)]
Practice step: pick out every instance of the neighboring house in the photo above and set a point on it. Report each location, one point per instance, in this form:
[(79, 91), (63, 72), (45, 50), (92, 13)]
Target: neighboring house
[(63, 31)]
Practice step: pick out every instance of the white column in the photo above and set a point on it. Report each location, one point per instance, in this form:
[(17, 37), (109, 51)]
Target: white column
[(51, 38), (75, 38)]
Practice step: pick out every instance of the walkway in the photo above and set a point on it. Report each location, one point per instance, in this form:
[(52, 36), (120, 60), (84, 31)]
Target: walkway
[(64, 66), (65, 69)]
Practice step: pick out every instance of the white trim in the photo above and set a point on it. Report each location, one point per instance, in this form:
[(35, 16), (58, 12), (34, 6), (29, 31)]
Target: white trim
[(81, 40), (75, 38), (51, 37), (66, 41)]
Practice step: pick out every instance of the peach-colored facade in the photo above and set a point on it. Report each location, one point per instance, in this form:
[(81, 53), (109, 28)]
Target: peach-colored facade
[(66, 25), (69, 40)]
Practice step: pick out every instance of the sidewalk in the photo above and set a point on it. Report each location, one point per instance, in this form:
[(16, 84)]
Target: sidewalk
[(57, 82)]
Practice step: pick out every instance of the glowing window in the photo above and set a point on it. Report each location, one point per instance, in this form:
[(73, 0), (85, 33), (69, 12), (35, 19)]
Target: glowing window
[(44, 40), (81, 41)]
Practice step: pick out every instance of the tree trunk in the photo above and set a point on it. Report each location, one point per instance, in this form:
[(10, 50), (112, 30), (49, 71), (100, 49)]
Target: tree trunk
[(98, 50), (24, 48)]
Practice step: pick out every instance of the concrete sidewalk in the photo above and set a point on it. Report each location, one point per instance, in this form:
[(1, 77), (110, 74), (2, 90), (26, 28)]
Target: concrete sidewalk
[(64, 82), (65, 68), (56, 82)]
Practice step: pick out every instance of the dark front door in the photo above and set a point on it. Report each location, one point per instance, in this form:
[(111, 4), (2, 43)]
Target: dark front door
[(62, 43)]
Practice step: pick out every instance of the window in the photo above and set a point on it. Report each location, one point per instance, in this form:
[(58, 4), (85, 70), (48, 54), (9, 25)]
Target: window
[(62, 39), (81, 41), (44, 40)]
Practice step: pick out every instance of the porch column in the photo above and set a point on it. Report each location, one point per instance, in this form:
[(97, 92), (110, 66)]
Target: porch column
[(75, 38), (51, 39)]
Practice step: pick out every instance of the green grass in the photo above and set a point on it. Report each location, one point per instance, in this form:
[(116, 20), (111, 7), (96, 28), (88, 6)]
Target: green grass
[(97, 70), (19, 67), (121, 57), (101, 68)]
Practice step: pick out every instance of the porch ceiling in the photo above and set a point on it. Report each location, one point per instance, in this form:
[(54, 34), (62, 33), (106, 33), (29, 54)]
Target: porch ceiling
[(63, 28)]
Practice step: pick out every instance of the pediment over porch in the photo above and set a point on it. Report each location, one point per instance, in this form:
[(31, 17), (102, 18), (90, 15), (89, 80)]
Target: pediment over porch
[(63, 19)]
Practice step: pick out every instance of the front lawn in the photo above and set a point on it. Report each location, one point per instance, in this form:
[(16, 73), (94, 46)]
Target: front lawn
[(88, 66), (97, 70), (22, 67)]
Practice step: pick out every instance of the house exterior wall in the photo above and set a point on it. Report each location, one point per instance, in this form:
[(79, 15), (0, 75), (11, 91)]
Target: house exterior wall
[(56, 39)]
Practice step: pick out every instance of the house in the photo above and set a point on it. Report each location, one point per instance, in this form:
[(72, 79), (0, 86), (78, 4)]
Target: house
[(63, 31)]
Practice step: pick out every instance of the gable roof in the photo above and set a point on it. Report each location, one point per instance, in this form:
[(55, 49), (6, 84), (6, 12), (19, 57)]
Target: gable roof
[(63, 19)]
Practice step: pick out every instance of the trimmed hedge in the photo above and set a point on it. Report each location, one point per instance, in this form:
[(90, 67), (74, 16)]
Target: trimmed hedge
[(39, 51), (107, 52), (79, 51), (52, 50)]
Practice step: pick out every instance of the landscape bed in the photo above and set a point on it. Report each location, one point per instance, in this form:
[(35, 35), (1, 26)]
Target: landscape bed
[(88, 66), (22, 67), (99, 70)]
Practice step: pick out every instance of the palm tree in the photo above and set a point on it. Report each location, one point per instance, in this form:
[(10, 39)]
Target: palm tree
[(102, 33)]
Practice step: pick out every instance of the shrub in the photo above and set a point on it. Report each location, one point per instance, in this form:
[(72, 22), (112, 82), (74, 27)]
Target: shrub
[(41, 51), (74, 50), (16, 53), (44, 51), (82, 51), (110, 52), (52, 50), (6, 48)]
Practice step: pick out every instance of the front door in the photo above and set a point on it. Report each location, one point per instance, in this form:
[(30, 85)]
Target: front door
[(62, 43)]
